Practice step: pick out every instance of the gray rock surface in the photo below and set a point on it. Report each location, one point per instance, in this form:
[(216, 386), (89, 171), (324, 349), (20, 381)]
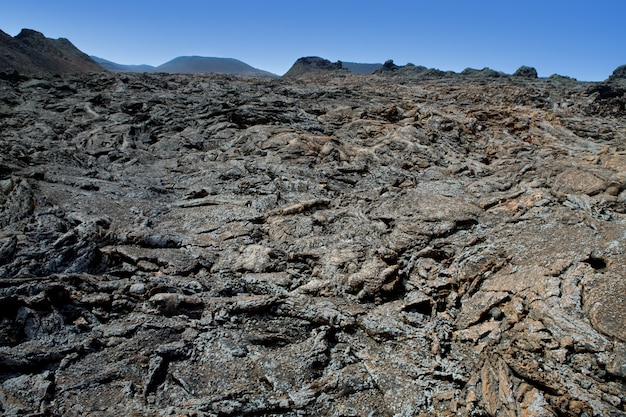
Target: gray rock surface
[(210, 246)]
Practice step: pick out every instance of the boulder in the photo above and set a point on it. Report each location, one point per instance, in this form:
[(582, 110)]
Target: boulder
[(525, 72)]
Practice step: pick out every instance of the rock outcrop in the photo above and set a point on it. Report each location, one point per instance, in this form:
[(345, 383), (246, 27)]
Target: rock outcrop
[(525, 72), (482, 73), (409, 70), (333, 246), (31, 53), (388, 68), (312, 66), (619, 75)]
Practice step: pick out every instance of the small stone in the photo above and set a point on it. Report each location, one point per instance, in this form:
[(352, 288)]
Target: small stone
[(173, 302), (137, 288), (81, 321), (254, 258), (496, 314), (566, 342)]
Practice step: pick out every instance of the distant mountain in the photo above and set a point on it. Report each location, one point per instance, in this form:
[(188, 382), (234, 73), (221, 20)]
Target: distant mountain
[(200, 64), (31, 53), (191, 65), (359, 68), (114, 67)]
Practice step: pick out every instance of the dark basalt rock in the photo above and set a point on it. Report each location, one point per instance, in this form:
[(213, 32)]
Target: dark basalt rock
[(388, 68), (619, 75), (608, 98), (525, 72), (410, 71), (205, 245), (483, 73), (312, 65)]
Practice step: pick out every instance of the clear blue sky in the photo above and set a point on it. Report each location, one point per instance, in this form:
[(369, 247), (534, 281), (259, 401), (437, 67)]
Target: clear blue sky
[(581, 39)]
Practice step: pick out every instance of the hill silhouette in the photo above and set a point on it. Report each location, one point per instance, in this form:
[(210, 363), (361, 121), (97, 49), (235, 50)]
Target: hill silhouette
[(31, 53), (115, 67), (200, 64), (191, 65)]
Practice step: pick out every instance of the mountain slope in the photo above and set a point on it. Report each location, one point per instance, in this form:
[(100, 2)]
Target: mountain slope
[(31, 53), (199, 64), (360, 68), (115, 67)]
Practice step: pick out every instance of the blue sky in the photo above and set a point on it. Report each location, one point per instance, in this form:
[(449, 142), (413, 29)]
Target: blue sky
[(581, 39)]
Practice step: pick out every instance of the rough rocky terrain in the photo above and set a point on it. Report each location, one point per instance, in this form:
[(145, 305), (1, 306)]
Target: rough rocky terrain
[(342, 245)]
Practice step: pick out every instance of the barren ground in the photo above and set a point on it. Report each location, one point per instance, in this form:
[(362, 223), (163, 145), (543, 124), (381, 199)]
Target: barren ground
[(347, 246)]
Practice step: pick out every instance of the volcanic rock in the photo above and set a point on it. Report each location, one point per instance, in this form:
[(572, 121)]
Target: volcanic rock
[(526, 72), (619, 74), (333, 245), (31, 53), (483, 73), (411, 71), (387, 68), (312, 65)]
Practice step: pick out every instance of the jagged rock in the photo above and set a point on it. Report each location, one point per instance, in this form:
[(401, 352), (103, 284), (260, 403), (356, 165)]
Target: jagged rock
[(388, 67), (333, 245), (27, 392), (483, 73), (618, 74), (608, 98), (525, 72), (311, 65)]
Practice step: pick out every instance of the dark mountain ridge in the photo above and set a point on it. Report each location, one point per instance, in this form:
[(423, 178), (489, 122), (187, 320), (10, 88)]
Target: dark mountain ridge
[(200, 64), (31, 53)]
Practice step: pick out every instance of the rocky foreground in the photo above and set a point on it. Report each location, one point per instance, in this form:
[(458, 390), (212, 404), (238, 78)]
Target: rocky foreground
[(341, 246)]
